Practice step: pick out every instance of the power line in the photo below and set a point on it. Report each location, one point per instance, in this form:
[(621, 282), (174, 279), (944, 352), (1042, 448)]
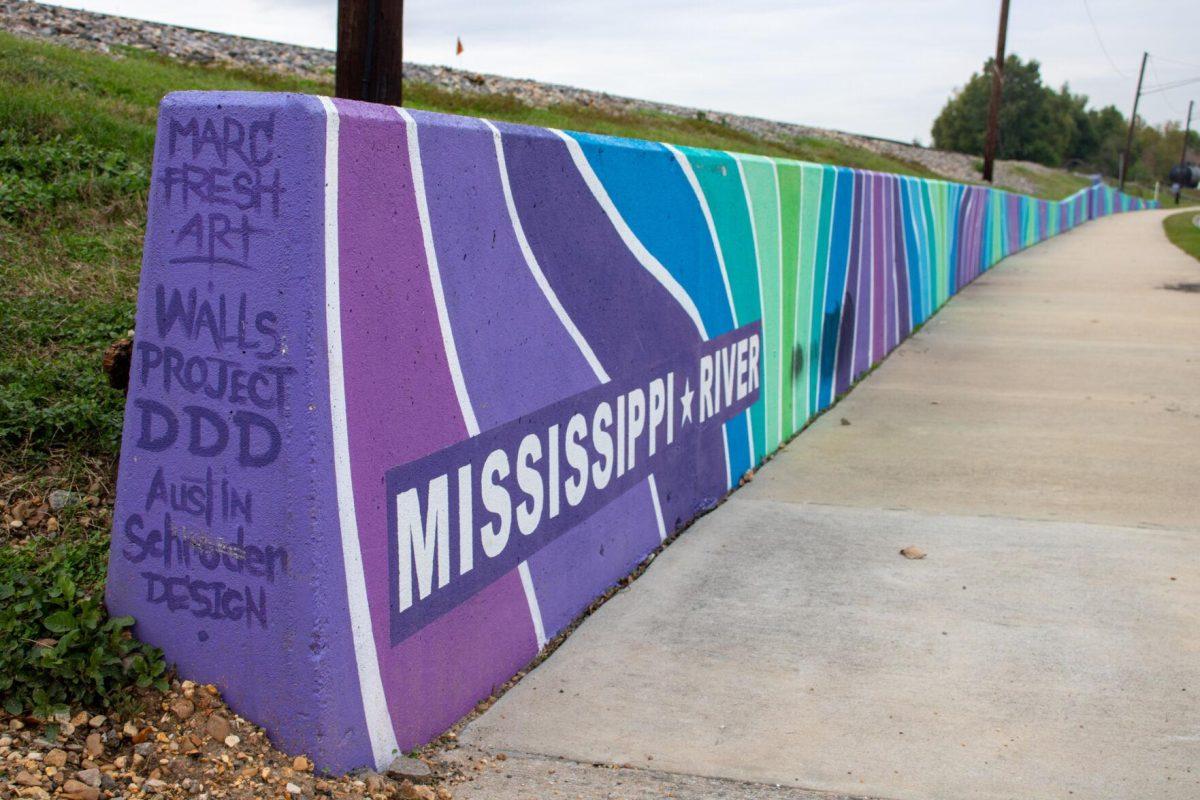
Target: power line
[(1158, 83), (1100, 41), (1177, 61), (1175, 85)]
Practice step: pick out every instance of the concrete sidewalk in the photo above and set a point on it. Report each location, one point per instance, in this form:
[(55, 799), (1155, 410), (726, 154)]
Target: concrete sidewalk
[(1040, 439)]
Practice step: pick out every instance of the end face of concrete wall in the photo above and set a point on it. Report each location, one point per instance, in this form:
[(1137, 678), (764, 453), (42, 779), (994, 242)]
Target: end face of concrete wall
[(409, 391)]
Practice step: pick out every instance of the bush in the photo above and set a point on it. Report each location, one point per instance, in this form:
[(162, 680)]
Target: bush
[(58, 646)]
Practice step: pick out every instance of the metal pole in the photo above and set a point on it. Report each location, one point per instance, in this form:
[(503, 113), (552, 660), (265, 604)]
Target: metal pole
[(992, 142), (1132, 122), (370, 62)]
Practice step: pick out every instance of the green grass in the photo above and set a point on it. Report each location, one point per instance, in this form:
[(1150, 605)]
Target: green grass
[(1183, 233), (1053, 185), (1188, 197), (653, 126)]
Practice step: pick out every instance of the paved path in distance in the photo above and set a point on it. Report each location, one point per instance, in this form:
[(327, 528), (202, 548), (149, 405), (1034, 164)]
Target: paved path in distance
[(1040, 440)]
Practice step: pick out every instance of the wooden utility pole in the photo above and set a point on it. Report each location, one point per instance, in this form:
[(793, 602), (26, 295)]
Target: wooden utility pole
[(370, 48), (992, 142), (1132, 122)]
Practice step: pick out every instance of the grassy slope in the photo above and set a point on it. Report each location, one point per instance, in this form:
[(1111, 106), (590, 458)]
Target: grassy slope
[(1053, 185), (76, 135), (1183, 233)]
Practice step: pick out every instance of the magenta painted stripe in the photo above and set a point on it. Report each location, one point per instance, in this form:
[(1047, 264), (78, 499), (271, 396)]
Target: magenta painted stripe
[(888, 275), (401, 405), (879, 297)]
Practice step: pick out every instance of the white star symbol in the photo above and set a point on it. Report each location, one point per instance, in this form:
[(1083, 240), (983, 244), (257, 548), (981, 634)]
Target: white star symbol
[(686, 399)]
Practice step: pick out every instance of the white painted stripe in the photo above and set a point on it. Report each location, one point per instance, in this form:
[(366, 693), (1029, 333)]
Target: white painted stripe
[(728, 465), (662, 528), (690, 174), (536, 269), (380, 732), (535, 612), (635, 246), (643, 255), (435, 277)]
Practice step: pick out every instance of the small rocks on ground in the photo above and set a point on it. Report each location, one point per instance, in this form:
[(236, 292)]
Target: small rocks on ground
[(912, 553), (158, 755), (407, 768), (61, 498)]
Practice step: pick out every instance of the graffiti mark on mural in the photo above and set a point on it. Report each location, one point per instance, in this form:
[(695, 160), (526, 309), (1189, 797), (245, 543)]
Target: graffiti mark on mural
[(216, 383), (239, 180)]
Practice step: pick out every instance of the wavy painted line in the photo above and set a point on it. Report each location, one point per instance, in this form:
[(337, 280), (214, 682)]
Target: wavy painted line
[(536, 269), (380, 732), (439, 295)]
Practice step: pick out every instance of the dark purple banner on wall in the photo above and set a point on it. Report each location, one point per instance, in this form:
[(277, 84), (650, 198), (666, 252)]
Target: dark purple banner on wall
[(467, 515)]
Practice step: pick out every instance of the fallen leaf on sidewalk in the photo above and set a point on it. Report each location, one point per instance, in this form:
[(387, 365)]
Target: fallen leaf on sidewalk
[(912, 552)]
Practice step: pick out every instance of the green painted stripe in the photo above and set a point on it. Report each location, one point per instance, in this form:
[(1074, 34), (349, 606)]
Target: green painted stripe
[(790, 228), (762, 191)]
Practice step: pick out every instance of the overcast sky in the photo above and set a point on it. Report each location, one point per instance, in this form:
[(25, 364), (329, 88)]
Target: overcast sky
[(881, 67)]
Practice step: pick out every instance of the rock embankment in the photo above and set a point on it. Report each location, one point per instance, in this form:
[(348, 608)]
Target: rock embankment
[(89, 30)]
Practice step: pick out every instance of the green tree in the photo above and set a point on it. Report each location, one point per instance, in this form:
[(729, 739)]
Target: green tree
[(1109, 125), (1034, 124)]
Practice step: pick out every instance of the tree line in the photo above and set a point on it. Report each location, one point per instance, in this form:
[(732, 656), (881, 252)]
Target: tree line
[(1055, 128)]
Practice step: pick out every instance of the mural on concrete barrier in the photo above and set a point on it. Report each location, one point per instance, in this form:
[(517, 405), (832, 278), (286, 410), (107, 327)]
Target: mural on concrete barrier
[(410, 391)]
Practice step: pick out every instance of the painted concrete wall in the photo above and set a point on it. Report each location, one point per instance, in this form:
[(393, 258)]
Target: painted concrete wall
[(409, 390)]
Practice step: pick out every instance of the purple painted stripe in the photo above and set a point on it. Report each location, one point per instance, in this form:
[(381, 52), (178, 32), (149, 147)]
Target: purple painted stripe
[(515, 353), (626, 316), (879, 297), (396, 370), (863, 302)]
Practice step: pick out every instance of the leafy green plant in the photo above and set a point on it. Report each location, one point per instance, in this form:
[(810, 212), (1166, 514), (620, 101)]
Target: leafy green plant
[(36, 175), (52, 389), (58, 646)]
